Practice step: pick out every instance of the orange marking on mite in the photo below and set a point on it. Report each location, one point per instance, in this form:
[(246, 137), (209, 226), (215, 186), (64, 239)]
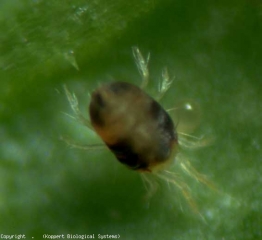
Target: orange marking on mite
[(137, 129), (133, 125)]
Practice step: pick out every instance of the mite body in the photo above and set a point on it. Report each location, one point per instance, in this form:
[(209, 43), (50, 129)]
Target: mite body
[(138, 130), (133, 125)]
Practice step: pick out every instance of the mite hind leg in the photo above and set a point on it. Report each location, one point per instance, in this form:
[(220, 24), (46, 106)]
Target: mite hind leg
[(193, 173), (72, 144), (174, 180), (150, 185)]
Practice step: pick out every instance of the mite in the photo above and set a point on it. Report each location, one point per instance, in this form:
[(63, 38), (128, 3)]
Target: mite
[(133, 125), (138, 131)]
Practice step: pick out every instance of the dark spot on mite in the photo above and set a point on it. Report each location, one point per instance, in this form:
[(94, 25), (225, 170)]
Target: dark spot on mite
[(99, 100), (95, 108), (119, 87), (164, 120), (125, 154), (166, 129), (133, 125)]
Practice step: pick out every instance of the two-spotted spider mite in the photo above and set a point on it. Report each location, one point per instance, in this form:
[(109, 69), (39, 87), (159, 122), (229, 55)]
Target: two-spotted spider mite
[(137, 129)]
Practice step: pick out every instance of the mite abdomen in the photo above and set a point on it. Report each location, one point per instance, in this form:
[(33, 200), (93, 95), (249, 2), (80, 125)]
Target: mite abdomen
[(133, 125)]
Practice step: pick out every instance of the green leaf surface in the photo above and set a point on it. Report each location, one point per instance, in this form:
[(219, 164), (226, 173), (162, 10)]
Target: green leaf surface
[(214, 51)]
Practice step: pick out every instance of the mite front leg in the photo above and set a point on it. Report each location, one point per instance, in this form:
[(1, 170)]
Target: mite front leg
[(164, 84), (72, 99), (142, 64)]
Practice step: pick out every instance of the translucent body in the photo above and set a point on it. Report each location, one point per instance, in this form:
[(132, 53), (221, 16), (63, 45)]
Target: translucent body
[(133, 125)]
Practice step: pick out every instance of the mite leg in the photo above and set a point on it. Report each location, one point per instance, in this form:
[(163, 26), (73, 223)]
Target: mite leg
[(182, 186), (192, 172), (142, 64), (150, 185), (72, 144), (192, 142), (164, 84), (72, 99)]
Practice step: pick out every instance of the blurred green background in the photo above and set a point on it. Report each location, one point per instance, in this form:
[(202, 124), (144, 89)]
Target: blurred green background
[(214, 50)]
